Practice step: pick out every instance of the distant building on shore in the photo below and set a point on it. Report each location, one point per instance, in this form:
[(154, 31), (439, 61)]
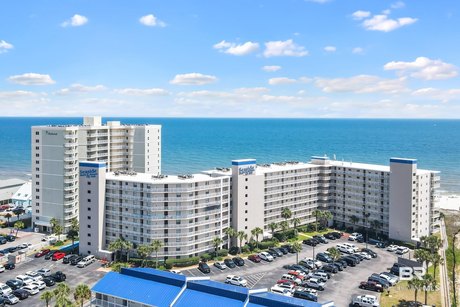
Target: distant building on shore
[(8, 188)]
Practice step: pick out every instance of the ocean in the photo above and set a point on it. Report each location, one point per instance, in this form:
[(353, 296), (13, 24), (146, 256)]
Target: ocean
[(196, 144)]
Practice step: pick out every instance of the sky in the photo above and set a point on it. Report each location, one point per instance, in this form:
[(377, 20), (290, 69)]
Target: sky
[(238, 58)]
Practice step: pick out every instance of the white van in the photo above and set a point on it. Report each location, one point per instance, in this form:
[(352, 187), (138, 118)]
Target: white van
[(351, 246), (86, 261)]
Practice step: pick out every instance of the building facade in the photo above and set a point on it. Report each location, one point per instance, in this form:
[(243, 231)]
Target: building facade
[(57, 150)]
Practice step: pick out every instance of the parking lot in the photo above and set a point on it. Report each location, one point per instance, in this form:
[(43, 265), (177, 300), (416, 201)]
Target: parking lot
[(340, 288), (88, 275)]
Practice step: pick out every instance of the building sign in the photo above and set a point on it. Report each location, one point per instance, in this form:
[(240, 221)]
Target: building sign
[(50, 132), (246, 170), (90, 173)]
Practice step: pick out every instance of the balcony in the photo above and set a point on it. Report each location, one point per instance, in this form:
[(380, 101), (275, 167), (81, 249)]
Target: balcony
[(70, 136)]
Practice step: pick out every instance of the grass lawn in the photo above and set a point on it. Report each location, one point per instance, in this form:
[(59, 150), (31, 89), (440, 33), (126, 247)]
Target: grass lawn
[(401, 292), (307, 235)]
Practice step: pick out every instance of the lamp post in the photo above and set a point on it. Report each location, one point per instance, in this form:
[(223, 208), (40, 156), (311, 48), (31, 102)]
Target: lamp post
[(313, 252)]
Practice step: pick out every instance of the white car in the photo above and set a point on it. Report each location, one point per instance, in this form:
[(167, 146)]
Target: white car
[(5, 289), (10, 299), (236, 280), (278, 290), (220, 265), (392, 248), (365, 301), (309, 290), (40, 284), (354, 236), (27, 280), (365, 255), (266, 256), (402, 250), (34, 275), (44, 272), (176, 272), (319, 275), (290, 277), (2, 268), (344, 249), (32, 289), (316, 262), (350, 246), (392, 279)]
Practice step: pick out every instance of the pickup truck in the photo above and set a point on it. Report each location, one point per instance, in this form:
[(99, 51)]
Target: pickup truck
[(365, 301)]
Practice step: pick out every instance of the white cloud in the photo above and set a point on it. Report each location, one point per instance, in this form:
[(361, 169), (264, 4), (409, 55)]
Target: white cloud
[(330, 49), (4, 46), (75, 21), (357, 50), (79, 88), (32, 79), (398, 5), (251, 90), (237, 49), (284, 80), (193, 79), (385, 24), (358, 15), (18, 94), (386, 12), (271, 68), (438, 94), (142, 92), (361, 84), (284, 48), (151, 21), (424, 68)]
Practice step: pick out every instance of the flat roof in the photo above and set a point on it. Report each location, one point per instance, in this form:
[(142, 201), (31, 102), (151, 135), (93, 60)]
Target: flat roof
[(167, 179), (366, 166)]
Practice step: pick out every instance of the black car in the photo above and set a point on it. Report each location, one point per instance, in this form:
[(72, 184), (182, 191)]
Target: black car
[(3, 240), (238, 261), (305, 295), (377, 279), (330, 268), (2, 302), (10, 238), (310, 242), (338, 265), (49, 281), (13, 249), (349, 260), (395, 269), (289, 248), (336, 234), (370, 285), (50, 254), (76, 260), (21, 294), (284, 249), (361, 257), (370, 252), (14, 284), (360, 239), (204, 267), (273, 253), (10, 266), (330, 236), (68, 258), (58, 276), (277, 251), (320, 239), (299, 267), (381, 244), (229, 263), (342, 262), (323, 257)]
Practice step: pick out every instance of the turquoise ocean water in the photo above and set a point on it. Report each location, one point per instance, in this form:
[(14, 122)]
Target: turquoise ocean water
[(195, 144)]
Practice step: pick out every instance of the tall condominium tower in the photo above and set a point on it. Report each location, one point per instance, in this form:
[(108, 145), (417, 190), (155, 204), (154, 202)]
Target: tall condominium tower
[(57, 149)]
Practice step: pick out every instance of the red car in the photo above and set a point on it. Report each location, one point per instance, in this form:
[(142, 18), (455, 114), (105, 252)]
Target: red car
[(285, 281), (254, 258), (42, 253), (371, 285), (58, 256)]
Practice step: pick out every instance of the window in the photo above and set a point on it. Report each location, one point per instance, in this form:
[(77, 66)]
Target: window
[(89, 243), (89, 200), (37, 133), (89, 209), (246, 195), (89, 191), (89, 217), (89, 182), (37, 211), (89, 226), (89, 235)]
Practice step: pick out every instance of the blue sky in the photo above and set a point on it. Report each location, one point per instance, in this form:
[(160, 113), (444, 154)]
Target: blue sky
[(239, 58)]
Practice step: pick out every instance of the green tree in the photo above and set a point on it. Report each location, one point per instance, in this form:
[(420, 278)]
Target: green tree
[(143, 251), (119, 246), (116, 267), (82, 293), (241, 236), (53, 222), (354, 219), (156, 246), (324, 217), (72, 235), (58, 229), (47, 296), (8, 216), (297, 247), (376, 225), (18, 212), (422, 256), (18, 225), (334, 253), (436, 260), (284, 226), (231, 233), (427, 283), (286, 214), (217, 242), (415, 284), (74, 225), (256, 232), (273, 226), (296, 222), (61, 292), (317, 214)]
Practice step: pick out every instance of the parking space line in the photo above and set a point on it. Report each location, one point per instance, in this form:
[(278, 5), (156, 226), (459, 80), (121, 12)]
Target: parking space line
[(191, 273)]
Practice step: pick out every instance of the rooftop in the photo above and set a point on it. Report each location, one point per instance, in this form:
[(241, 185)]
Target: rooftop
[(158, 179)]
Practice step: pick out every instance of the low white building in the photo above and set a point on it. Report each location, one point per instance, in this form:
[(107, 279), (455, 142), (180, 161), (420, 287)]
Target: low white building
[(23, 196), (8, 188)]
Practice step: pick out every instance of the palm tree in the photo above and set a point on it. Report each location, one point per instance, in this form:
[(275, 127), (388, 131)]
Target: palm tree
[(295, 222), (317, 214), (117, 246), (422, 256), (435, 259), (376, 225), (297, 247), (18, 225), (427, 282), (334, 253), (18, 212), (241, 236), (53, 222), (128, 246), (255, 233), (415, 284), (286, 214), (324, 217), (61, 292), (230, 232), (273, 227), (354, 219), (72, 235), (82, 293), (284, 226), (58, 229), (143, 251), (8, 216), (217, 242), (74, 224), (156, 246), (47, 296)]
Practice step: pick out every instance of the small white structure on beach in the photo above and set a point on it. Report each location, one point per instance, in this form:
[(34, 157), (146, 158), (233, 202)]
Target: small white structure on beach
[(8, 188), (23, 196)]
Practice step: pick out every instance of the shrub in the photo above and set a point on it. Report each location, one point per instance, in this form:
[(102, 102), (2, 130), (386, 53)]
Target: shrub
[(222, 252), (245, 249), (266, 244), (280, 236), (58, 243), (184, 262), (233, 250), (116, 267), (206, 256)]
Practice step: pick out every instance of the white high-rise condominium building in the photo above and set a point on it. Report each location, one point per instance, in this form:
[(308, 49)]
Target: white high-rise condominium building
[(57, 149), (184, 212)]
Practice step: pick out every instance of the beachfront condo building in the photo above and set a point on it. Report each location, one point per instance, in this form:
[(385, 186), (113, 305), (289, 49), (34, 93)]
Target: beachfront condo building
[(57, 150), (398, 200)]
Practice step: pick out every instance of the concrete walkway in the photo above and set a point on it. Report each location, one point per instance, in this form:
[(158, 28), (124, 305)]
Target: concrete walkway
[(445, 285)]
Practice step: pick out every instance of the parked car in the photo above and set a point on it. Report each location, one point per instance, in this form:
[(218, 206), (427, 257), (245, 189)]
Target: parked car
[(254, 258), (204, 267), (365, 255), (76, 260), (365, 301), (338, 265), (3, 240), (220, 265), (315, 284), (5, 289), (266, 256), (10, 299), (31, 289), (337, 234), (359, 256), (370, 285), (273, 254), (238, 261), (320, 239), (14, 284), (10, 266), (344, 249), (381, 244), (309, 264), (44, 272), (58, 276), (354, 236), (402, 250), (10, 238), (26, 280), (42, 253), (279, 290), (330, 236), (286, 248), (392, 279), (68, 258), (49, 282), (34, 275), (2, 268), (342, 262), (86, 261), (357, 259), (370, 252), (40, 284), (328, 274), (320, 276), (305, 295), (392, 248), (396, 268), (58, 256), (310, 242), (324, 258), (229, 263), (349, 260), (299, 267), (49, 256), (21, 294), (330, 268), (278, 252), (292, 278), (376, 278), (236, 280)]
